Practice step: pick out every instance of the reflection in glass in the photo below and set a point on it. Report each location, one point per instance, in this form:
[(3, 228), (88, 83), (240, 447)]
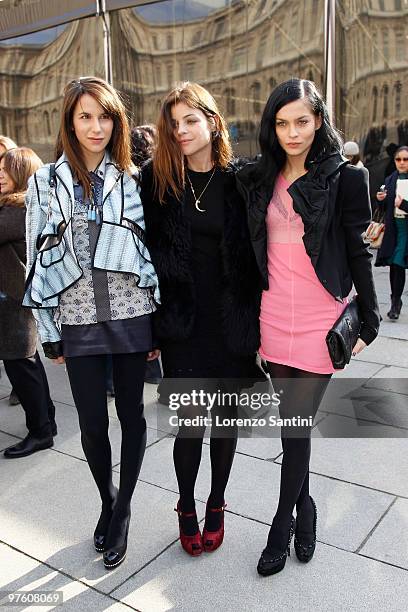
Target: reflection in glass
[(34, 70), (371, 73), (238, 49)]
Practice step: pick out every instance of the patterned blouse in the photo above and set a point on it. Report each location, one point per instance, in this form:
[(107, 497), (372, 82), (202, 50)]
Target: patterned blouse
[(98, 295)]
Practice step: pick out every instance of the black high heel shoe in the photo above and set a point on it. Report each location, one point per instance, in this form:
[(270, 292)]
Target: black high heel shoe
[(305, 551), (102, 526), (115, 553), (268, 563)]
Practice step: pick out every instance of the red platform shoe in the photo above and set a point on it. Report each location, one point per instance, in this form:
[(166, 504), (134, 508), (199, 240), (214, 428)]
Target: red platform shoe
[(192, 544), (213, 539)]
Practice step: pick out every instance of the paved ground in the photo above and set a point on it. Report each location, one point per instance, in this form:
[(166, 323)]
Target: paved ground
[(49, 507)]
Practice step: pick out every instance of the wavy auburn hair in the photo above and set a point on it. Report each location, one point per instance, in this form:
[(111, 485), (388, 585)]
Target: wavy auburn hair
[(67, 142), (168, 160)]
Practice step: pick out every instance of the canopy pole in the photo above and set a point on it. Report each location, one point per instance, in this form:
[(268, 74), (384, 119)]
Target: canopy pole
[(107, 43)]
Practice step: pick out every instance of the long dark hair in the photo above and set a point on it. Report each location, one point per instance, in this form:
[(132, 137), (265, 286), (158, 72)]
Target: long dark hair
[(327, 140), (67, 142)]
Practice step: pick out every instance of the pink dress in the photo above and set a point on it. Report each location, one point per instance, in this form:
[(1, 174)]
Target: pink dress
[(296, 311)]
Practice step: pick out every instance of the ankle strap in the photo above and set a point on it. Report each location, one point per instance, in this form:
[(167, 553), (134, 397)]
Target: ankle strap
[(217, 509), (185, 514)]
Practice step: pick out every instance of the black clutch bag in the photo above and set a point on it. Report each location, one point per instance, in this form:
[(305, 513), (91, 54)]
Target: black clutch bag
[(342, 337)]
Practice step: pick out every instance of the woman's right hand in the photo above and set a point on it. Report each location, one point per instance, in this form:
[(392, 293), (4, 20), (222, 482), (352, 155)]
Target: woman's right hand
[(58, 360), (381, 195)]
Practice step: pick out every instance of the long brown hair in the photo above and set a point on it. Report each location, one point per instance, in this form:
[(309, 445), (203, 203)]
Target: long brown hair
[(168, 160), (67, 142), (20, 163)]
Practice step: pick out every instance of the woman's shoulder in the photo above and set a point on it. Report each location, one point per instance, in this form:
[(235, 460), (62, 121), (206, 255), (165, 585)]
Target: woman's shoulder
[(43, 173), (353, 175)]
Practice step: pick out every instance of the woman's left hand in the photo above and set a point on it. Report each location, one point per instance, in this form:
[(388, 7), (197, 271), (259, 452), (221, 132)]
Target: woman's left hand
[(153, 354), (398, 201), (358, 347)]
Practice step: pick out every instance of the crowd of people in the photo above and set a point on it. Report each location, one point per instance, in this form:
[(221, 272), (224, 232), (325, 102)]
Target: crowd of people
[(156, 240)]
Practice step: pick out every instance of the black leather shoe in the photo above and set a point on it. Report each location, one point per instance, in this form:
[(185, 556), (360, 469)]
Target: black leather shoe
[(269, 563), (103, 525), (115, 553), (28, 446), (305, 543), (394, 312), (13, 399)]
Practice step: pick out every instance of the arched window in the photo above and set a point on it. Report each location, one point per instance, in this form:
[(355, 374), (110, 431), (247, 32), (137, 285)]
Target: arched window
[(230, 101), (272, 83), (386, 43), (256, 97), (397, 91), (46, 121), (400, 44), (55, 119), (375, 103), (385, 101)]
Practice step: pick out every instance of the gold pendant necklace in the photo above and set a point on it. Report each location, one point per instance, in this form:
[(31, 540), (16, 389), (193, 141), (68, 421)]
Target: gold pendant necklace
[(197, 200)]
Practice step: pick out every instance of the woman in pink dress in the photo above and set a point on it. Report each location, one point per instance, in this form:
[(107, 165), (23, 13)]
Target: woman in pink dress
[(307, 209)]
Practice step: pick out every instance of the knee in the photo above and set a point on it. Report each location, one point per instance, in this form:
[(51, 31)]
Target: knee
[(94, 433)]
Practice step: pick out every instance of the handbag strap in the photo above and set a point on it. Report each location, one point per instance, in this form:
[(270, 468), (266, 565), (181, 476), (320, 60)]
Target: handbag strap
[(52, 183), (379, 214)]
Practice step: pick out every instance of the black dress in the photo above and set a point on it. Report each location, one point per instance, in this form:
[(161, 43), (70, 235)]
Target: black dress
[(204, 353)]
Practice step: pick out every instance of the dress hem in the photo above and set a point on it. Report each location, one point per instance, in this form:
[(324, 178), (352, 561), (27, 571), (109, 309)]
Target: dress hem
[(298, 366)]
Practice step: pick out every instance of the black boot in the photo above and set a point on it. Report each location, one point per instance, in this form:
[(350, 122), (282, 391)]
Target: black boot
[(396, 305)]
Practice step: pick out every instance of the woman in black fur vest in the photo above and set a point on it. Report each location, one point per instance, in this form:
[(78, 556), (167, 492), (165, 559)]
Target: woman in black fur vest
[(207, 326)]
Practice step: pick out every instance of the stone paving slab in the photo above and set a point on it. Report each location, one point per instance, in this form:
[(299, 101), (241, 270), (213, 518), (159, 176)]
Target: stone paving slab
[(337, 426), (19, 572), (386, 351), (389, 541), (392, 379), (358, 369), (346, 513), (6, 440), (376, 463), (358, 399), (227, 580), (50, 507), (395, 329)]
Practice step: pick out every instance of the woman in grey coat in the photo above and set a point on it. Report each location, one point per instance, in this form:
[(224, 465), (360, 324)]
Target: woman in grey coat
[(18, 335)]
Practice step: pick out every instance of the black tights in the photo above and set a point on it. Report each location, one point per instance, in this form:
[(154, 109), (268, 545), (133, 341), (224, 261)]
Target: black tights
[(397, 281), (187, 457), (87, 376), (300, 397)]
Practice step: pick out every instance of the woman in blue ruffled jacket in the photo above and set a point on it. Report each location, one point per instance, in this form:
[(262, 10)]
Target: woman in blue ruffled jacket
[(93, 288)]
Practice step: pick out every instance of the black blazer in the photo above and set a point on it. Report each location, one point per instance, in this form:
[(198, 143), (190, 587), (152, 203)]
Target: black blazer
[(333, 201), (389, 242), (168, 237)]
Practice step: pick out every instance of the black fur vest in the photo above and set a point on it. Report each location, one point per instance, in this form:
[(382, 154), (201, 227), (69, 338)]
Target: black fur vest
[(168, 238)]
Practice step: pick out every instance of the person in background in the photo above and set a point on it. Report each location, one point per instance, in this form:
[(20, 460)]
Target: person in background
[(142, 139), (6, 144), (393, 252), (352, 152), (94, 288), (18, 335)]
